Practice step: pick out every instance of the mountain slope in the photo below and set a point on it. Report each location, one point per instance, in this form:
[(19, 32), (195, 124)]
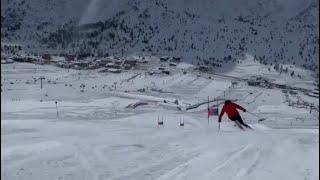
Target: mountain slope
[(273, 31)]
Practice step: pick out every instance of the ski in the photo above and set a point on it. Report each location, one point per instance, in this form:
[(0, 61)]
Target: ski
[(239, 125)]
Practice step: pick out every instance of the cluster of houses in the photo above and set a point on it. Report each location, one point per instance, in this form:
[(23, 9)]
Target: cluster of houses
[(203, 68), (259, 81), (117, 65), (171, 61), (266, 83), (6, 59), (262, 82), (108, 64), (313, 93)]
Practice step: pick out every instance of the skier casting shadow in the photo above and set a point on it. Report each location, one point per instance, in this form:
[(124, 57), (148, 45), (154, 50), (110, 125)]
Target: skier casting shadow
[(231, 109)]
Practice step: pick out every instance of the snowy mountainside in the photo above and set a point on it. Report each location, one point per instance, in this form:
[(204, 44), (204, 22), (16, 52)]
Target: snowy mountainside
[(216, 31)]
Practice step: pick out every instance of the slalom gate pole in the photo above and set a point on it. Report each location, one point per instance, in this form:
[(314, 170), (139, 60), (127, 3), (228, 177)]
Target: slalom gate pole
[(208, 111), (57, 109), (218, 115)]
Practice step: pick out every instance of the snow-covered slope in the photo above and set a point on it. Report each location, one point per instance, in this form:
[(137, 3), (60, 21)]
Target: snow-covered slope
[(92, 133), (215, 31)]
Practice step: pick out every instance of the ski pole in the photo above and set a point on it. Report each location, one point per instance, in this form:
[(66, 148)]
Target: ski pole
[(253, 114), (260, 119)]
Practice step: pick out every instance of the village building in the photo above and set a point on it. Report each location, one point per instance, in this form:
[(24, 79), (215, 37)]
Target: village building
[(130, 62), (253, 83), (71, 57), (166, 72), (46, 56), (118, 62), (164, 58), (176, 59), (112, 70), (173, 64), (82, 64), (203, 68), (113, 65)]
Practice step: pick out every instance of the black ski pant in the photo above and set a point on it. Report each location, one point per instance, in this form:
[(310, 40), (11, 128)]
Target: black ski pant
[(239, 119)]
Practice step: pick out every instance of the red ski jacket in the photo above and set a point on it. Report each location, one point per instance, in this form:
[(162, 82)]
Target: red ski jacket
[(231, 110)]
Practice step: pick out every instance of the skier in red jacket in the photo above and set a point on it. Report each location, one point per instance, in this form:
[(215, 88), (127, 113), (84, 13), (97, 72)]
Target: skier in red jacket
[(231, 109)]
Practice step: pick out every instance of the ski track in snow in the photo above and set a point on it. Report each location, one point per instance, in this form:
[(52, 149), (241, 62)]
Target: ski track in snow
[(179, 172)]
